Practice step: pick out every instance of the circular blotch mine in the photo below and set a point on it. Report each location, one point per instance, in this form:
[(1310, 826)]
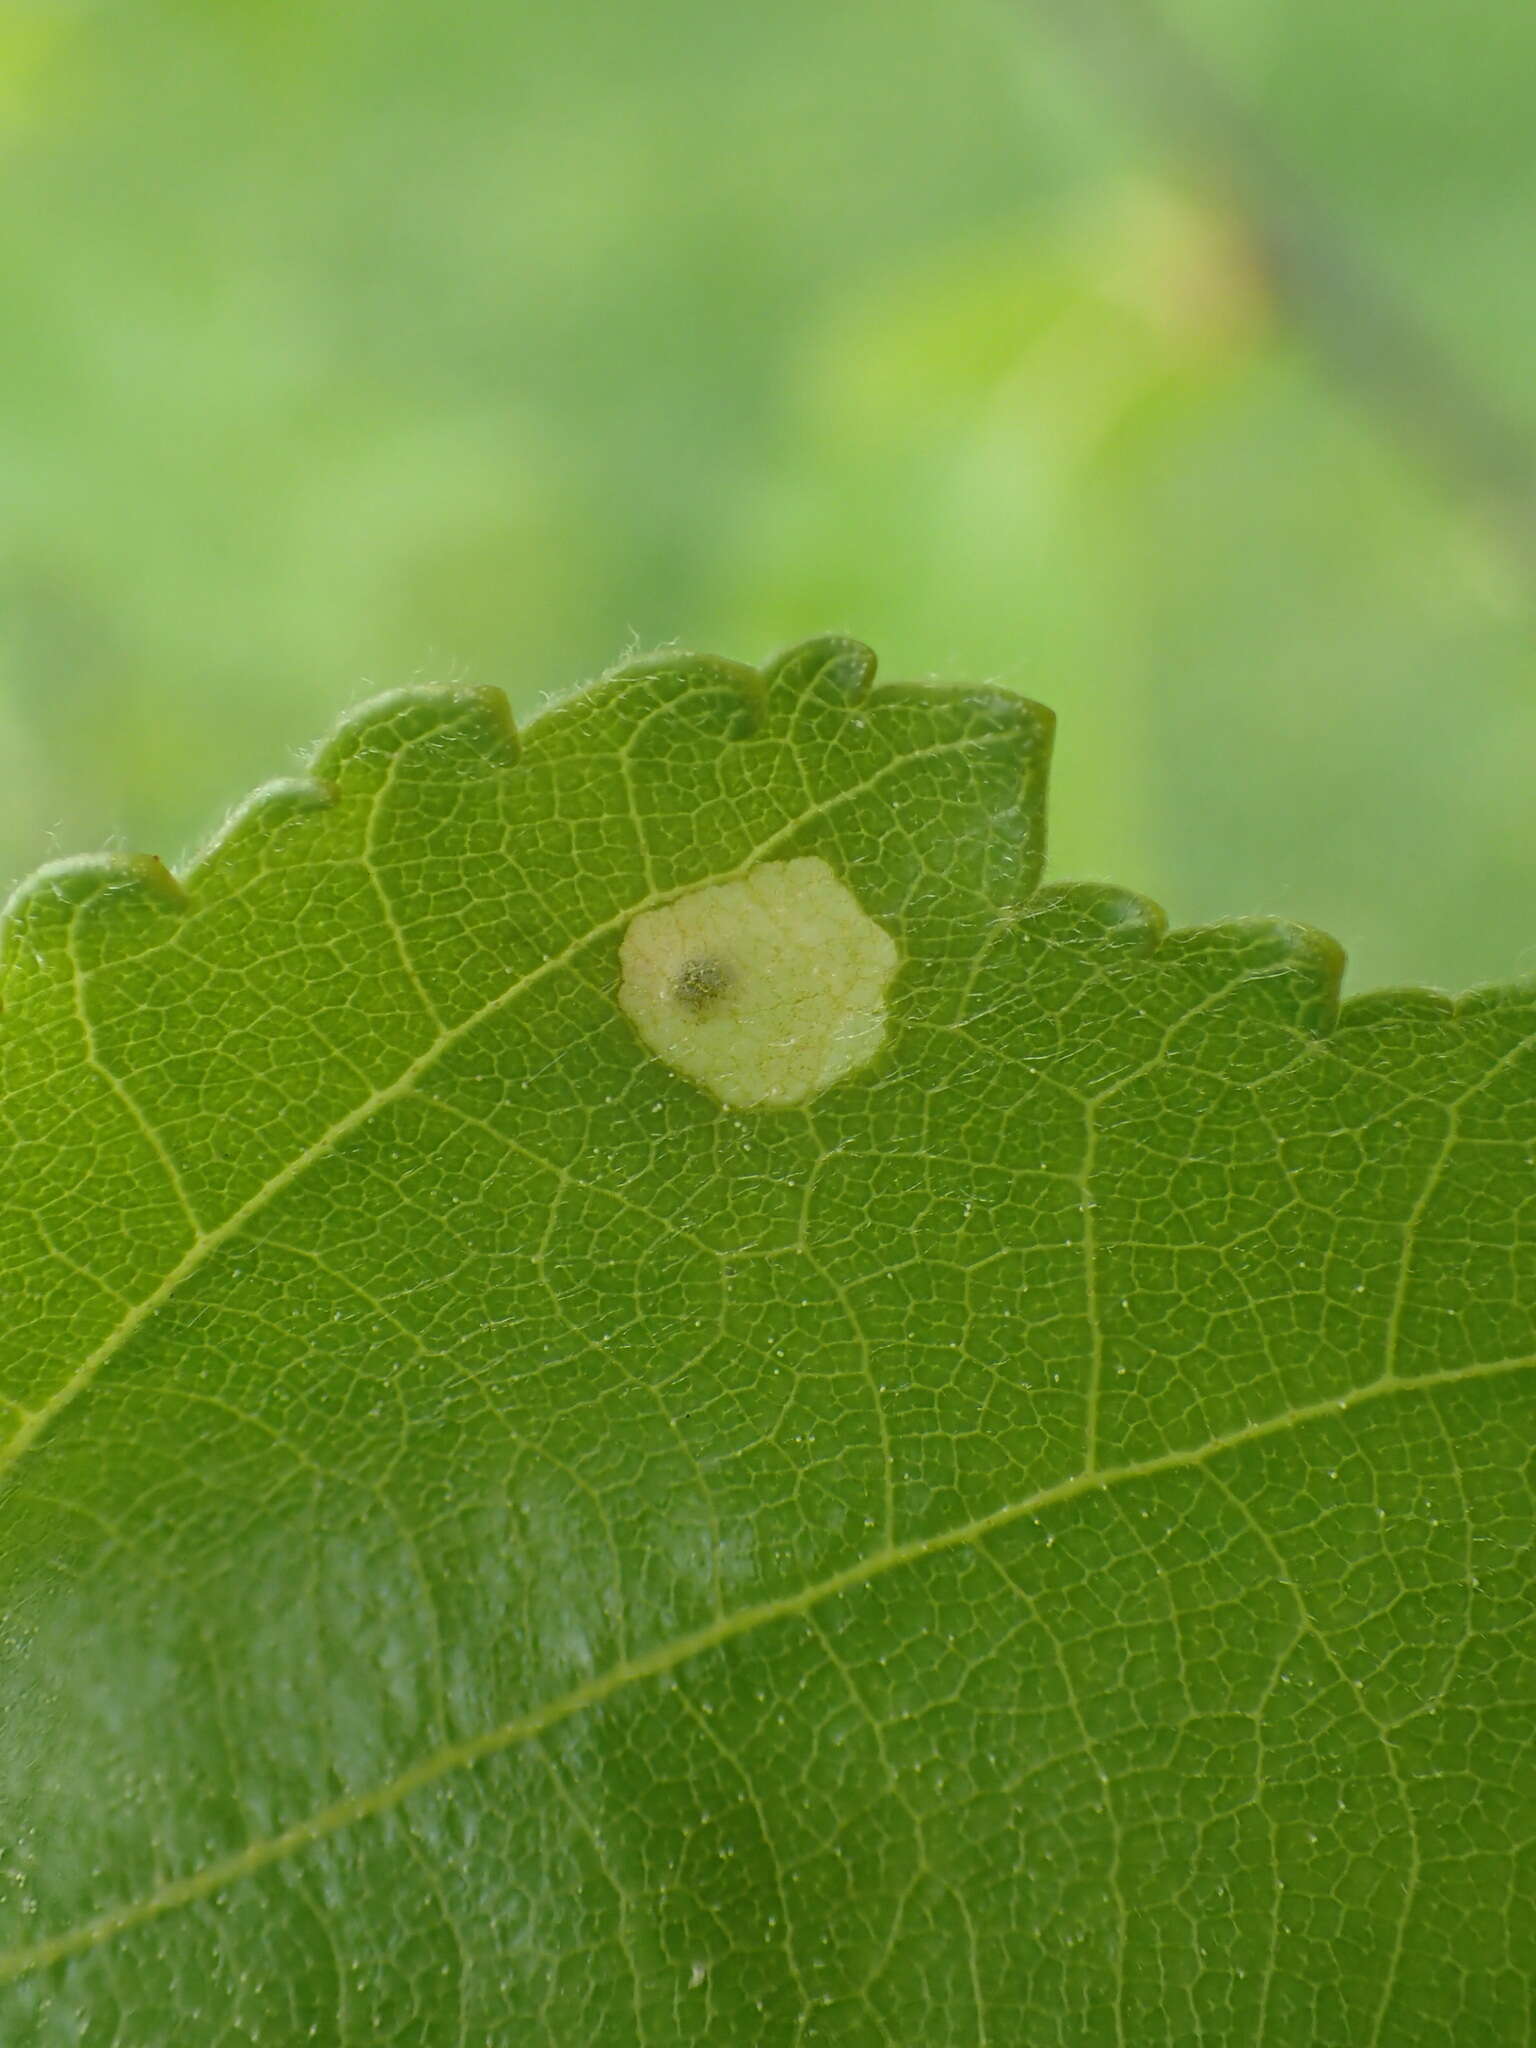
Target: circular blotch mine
[(765, 990)]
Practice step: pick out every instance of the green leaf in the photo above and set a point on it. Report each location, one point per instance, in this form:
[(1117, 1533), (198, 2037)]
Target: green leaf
[(1025, 1539)]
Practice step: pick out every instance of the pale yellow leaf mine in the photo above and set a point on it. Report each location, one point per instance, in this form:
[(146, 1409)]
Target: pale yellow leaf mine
[(764, 991)]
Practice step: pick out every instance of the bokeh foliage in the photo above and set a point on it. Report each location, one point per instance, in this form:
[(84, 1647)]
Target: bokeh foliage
[(346, 345)]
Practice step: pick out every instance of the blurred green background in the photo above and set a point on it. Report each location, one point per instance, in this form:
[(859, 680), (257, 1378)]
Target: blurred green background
[(346, 344)]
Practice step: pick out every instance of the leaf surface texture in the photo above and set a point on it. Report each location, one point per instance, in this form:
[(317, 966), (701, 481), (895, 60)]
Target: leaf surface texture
[(1030, 1544)]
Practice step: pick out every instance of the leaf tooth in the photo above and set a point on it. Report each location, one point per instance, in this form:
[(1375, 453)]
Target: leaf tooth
[(832, 666), (1291, 970), (1033, 724), (123, 898), (61, 888), (1095, 914), (718, 697), (670, 664), (1382, 1009), (983, 713), (1493, 997), (259, 817), (1004, 843), (447, 729)]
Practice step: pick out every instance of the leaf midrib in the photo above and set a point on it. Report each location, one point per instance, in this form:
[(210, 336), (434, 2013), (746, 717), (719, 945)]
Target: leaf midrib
[(667, 1657)]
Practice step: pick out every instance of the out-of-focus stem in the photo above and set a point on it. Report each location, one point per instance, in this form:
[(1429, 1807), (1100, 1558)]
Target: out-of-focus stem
[(1324, 281)]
